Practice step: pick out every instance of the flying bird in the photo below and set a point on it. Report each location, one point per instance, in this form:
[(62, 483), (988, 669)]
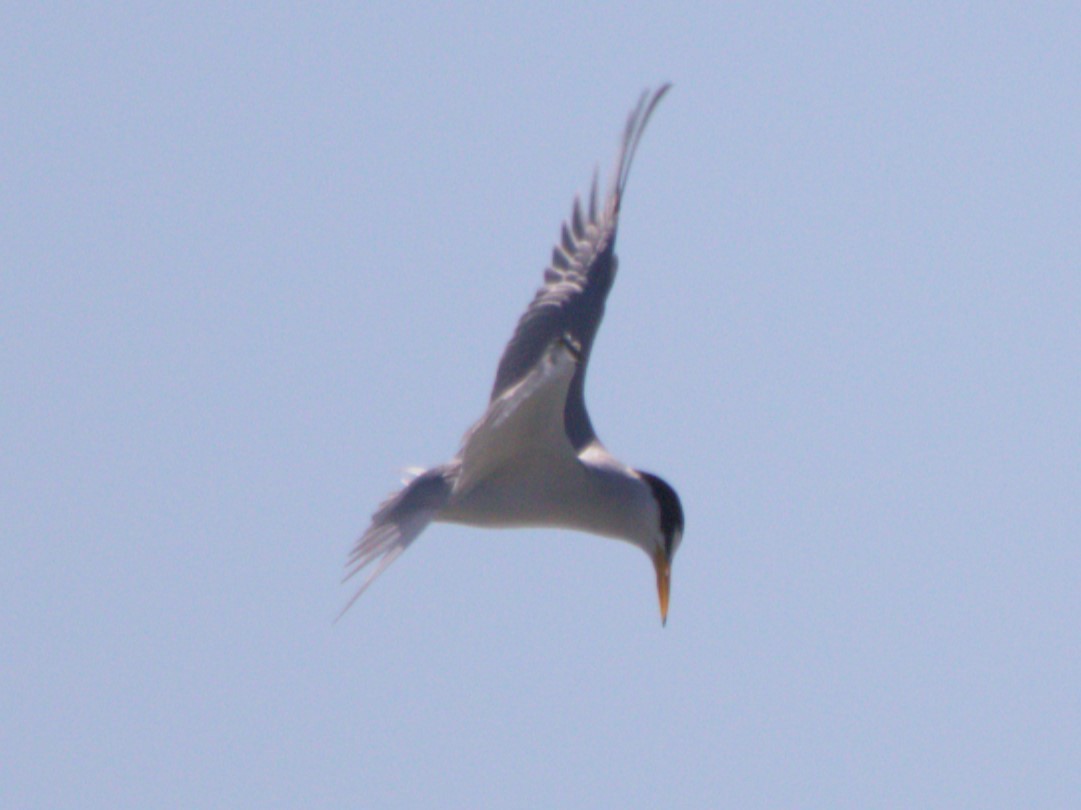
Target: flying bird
[(533, 458)]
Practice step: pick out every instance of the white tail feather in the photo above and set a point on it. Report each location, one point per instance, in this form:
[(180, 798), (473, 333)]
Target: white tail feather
[(397, 523)]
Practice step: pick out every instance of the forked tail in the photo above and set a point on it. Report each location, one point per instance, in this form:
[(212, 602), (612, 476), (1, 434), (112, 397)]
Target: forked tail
[(397, 523)]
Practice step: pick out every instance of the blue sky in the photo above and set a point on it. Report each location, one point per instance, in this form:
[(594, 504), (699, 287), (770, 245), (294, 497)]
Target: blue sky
[(256, 261)]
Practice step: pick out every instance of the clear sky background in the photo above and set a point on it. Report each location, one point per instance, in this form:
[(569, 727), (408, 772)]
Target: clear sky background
[(257, 260)]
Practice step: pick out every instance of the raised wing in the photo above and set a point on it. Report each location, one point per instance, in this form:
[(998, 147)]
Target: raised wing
[(524, 426), (571, 302)]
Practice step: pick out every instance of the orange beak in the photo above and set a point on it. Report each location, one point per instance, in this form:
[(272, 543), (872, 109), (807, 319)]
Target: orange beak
[(664, 575)]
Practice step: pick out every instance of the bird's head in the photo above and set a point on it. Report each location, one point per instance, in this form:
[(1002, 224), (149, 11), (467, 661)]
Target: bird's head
[(668, 534)]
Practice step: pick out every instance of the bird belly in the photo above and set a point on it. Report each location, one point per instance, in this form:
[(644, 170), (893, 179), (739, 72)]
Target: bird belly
[(514, 499), (563, 496)]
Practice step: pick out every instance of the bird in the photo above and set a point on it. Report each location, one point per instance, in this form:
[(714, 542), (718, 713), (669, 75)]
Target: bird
[(533, 459)]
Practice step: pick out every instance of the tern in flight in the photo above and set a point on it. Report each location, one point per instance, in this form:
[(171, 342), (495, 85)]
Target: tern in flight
[(533, 458)]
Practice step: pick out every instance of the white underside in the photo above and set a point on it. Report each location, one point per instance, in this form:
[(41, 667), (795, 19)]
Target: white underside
[(519, 469)]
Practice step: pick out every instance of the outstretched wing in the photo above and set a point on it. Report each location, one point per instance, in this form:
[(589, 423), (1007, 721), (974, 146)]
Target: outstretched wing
[(570, 305)]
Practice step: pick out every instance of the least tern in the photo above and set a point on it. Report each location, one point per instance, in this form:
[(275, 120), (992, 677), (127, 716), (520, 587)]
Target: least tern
[(533, 458)]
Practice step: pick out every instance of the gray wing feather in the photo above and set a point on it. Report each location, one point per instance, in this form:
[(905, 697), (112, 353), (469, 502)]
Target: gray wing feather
[(576, 285)]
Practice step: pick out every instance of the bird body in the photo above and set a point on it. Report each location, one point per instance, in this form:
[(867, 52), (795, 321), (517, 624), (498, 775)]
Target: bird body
[(533, 458)]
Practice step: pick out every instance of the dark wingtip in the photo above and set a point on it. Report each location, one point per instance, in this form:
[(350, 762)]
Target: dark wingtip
[(632, 134)]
